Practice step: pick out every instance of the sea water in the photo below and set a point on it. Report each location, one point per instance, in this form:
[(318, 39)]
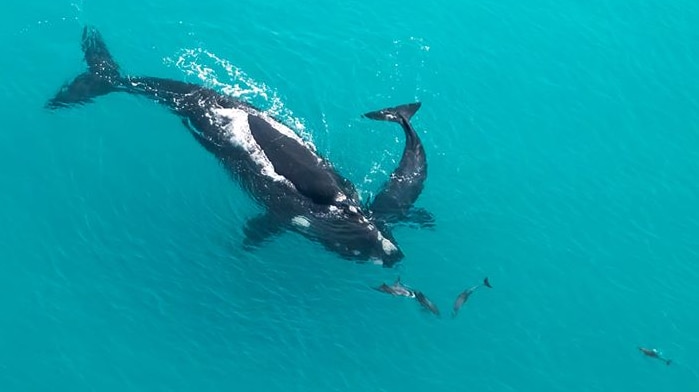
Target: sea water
[(562, 140)]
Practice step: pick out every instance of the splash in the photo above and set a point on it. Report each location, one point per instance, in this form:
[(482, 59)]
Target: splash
[(401, 69), (207, 66), (420, 42), (405, 65)]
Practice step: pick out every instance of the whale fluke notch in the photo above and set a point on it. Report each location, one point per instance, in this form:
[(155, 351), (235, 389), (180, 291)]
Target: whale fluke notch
[(102, 76)]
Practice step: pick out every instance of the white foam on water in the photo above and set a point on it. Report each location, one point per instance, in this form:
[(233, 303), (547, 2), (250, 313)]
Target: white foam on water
[(203, 64)]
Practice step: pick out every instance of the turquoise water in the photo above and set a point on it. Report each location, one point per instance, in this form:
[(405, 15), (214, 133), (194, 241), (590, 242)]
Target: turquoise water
[(563, 148)]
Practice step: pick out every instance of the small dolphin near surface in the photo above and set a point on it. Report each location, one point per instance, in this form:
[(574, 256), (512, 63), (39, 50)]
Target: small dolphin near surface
[(654, 353), (463, 297), (426, 303), (397, 288)]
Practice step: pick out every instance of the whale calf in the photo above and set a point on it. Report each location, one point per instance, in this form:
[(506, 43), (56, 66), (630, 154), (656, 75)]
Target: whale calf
[(394, 202)]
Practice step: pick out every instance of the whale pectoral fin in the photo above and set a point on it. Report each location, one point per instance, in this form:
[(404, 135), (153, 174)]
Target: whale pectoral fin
[(260, 229), (421, 217), (415, 217)]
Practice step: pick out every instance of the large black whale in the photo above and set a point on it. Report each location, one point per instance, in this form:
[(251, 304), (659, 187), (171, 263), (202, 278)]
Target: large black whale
[(298, 189)]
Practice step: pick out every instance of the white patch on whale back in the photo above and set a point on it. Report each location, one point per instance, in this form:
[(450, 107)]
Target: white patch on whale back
[(386, 245), (237, 130), (301, 221)]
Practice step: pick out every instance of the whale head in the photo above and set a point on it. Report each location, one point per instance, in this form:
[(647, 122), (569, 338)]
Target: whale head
[(347, 231)]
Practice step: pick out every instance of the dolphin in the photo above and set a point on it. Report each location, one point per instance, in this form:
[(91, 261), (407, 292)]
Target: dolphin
[(463, 297), (397, 288), (654, 353), (426, 303)]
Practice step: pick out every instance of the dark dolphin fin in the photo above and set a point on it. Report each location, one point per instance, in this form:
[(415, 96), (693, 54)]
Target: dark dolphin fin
[(102, 76), (260, 229), (486, 283), (394, 202)]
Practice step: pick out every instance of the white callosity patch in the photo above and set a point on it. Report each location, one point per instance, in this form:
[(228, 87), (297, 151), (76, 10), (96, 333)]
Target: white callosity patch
[(301, 221), (387, 245), (237, 130)]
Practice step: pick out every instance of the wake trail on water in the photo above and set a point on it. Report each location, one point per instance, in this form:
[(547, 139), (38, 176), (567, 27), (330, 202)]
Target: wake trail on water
[(222, 75)]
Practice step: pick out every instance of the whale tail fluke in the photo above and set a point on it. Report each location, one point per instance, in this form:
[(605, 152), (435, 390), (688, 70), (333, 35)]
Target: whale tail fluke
[(395, 114), (668, 362), (486, 283), (102, 75)]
